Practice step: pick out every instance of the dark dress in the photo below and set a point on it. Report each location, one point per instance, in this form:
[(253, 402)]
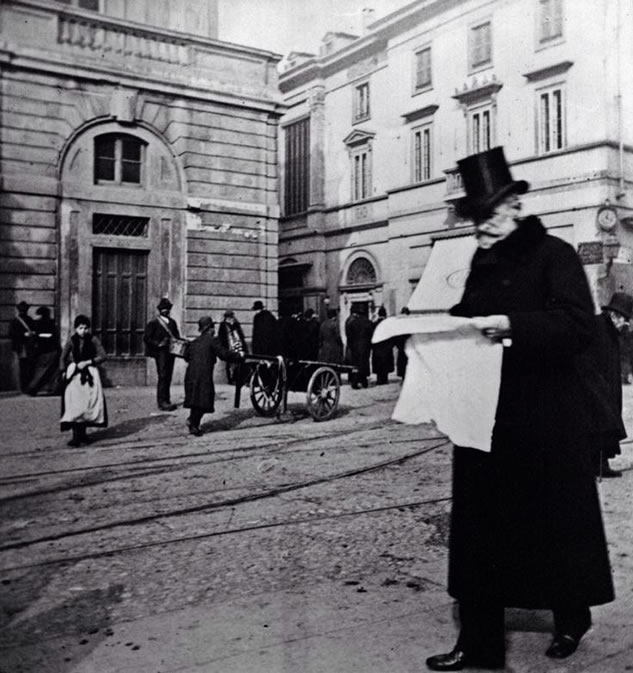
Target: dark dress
[(526, 526)]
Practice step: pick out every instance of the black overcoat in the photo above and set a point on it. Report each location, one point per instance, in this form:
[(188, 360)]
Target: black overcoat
[(526, 525), (359, 331), (202, 355), (604, 384), (266, 337), (382, 361), (330, 342)]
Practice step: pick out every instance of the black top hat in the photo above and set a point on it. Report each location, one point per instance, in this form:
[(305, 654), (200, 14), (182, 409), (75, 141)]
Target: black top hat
[(621, 303), (487, 180), (258, 305), (164, 303)]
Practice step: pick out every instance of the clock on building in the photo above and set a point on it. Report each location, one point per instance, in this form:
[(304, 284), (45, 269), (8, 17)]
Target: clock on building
[(607, 218)]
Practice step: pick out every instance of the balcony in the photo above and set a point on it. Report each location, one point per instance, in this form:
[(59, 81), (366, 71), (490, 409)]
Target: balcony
[(96, 45), (454, 185)]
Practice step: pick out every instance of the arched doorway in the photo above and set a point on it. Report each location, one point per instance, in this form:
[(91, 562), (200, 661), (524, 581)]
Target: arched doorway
[(361, 287), (122, 238)]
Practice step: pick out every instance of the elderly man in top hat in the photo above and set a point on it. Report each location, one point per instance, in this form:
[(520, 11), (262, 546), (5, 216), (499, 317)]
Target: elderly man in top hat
[(158, 333), (526, 526)]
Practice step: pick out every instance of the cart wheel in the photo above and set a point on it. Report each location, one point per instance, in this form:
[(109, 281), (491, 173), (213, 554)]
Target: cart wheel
[(266, 389), (324, 390)]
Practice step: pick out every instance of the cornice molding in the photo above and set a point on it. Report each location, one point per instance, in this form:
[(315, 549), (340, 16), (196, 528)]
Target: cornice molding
[(477, 90), (548, 71), (420, 113)]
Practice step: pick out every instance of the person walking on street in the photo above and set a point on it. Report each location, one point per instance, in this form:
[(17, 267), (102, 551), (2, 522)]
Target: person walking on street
[(526, 526), (358, 333), (232, 338), (201, 357), (382, 361), (604, 383), (330, 341), (47, 353), (265, 333), (23, 341), (83, 401), (158, 333)]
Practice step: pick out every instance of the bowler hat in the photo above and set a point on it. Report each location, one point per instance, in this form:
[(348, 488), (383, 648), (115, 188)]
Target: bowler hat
[(487, 181), (258, 305), (164, 303), (229, 314), (23, 305), (621, 303), (205, 322), (43, 311)]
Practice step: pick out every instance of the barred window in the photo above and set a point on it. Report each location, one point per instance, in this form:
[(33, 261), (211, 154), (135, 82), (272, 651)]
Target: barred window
[(118, 159), (120, 225)]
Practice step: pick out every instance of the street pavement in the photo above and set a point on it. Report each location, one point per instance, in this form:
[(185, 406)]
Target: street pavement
[(264, 546)]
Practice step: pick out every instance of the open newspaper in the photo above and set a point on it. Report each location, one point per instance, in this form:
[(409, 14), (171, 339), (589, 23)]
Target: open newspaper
[(452, 378)]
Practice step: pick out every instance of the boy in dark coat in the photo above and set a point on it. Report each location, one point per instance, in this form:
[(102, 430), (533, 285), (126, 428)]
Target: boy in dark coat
[(526, 526), (202, 355)]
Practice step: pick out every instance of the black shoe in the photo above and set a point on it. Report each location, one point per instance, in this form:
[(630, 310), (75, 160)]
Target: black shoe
[(193, 429), (458, 659), (167, 407), (562, 646)]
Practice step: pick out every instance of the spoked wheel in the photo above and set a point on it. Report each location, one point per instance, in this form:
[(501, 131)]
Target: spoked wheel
[(324, 390), (266, 389)]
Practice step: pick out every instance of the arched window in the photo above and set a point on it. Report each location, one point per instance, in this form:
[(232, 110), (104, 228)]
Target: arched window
[(118, 159), (361, 272)]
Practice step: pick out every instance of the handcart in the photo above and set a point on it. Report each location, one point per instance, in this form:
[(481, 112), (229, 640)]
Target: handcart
[(272, 377)]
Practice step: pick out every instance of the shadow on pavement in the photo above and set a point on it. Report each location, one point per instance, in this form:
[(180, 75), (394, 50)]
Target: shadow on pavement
[(125, 428)]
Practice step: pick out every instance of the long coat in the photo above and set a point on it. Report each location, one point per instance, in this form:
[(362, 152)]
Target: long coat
[(265, 334), (330, 342), (359, 330), (382, 361), (526, 526), (604, 379), (202, 355)]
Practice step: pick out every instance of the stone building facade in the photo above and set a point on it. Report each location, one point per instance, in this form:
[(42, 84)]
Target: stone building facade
[(375, 126), (138, 159)]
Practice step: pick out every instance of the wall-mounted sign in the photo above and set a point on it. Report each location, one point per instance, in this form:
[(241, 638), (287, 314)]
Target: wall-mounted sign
[(590, 252)]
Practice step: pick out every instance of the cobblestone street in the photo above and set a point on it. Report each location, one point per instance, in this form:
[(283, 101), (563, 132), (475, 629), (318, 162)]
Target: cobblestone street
[(263, 546)]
